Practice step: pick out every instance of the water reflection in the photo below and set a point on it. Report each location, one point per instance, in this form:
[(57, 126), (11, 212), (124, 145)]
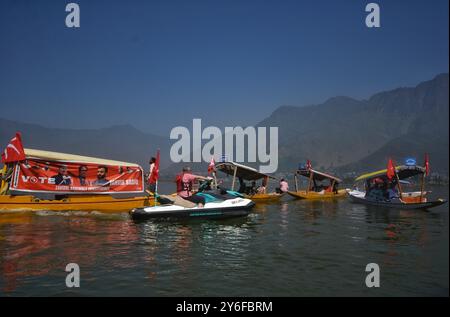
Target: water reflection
[(43, 248), (289, 248)]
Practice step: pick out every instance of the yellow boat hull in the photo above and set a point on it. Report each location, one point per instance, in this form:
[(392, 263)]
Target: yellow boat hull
[(317, 195), (102, 203), (264, 197)]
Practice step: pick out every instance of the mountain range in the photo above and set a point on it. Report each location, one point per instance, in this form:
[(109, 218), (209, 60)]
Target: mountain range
[(342, 134)]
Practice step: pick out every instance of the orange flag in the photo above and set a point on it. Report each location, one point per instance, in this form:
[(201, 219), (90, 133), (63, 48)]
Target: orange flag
[(390, 170)]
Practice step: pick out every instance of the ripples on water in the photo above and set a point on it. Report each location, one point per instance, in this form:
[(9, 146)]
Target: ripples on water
[(292, 248)]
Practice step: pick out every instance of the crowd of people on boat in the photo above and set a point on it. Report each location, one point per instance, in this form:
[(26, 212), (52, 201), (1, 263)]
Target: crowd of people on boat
[(253, 189), (381, 189)]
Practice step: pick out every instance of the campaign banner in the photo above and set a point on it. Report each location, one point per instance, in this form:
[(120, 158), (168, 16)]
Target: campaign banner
[(34, 175)]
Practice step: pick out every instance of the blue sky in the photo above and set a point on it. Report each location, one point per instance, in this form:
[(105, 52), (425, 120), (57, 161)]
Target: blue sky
[(158, 64)]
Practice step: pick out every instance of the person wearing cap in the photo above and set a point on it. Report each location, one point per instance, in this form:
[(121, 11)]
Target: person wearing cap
[(62, 178), (185, 182)]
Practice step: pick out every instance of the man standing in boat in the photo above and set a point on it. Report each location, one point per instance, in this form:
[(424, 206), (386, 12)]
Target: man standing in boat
[(151, 182), (185, 182)]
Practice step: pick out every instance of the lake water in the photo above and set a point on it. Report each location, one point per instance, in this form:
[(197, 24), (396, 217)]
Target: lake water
[(291, 248)]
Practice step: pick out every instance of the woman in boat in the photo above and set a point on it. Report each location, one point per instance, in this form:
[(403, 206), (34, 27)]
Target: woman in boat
[(185, 182)]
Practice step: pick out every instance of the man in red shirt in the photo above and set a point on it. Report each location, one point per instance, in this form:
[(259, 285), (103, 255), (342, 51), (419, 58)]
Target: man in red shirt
[(185, 181)]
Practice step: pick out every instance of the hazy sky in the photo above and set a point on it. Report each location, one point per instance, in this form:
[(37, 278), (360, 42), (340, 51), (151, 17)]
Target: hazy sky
[(158, 64)]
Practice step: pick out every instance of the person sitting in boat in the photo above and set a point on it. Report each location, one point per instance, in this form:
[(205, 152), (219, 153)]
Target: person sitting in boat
[(101, 180), (62, 178), (391, 192), (251, 190), (284, 187), (242, 186), (377, 190), (261, 189), (185, 182)]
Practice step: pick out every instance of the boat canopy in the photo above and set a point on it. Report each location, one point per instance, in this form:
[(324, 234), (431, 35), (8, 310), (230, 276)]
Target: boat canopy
[(316, 175), (64, 157), (403, 171), (242, 171)]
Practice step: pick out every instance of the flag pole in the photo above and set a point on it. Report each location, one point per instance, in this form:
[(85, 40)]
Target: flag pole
[(398, 183), (156, 191), (215, 179), (422, 186)]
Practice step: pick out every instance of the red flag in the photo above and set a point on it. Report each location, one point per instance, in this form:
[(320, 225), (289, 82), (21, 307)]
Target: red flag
[(390, 170), (155, 171), (14, 150), (212, 165), (308, 165), (427, 165)]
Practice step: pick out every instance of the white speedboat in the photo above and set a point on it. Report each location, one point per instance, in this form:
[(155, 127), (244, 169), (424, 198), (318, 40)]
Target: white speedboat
[(216, 206), (360, 197)]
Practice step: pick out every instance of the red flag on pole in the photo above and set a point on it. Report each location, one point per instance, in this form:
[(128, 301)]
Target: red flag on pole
[(155, 171), (308, 165), (14, 150), (427, 165), (390, 173), (212, 165)]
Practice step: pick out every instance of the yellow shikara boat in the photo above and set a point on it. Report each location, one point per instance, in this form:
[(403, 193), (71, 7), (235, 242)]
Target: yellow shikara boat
[(109, 203), (315, 191), (250, 174), (102, 203)]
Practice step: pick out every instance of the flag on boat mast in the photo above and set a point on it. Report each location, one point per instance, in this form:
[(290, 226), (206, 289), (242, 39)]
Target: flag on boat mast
[(427, 165), (308, 165), (390, 173), (14, 150), (212, 165)]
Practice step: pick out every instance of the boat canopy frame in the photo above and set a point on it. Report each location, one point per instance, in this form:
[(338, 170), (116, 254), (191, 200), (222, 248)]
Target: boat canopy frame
[(241, 171), (313, 176), (65, 157), (403, 172)]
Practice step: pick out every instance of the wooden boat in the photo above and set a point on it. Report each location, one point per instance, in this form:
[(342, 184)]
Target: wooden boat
[(239, 171), (314, 190), (374, 196), (25, 199), (303, 194), (102, 203)]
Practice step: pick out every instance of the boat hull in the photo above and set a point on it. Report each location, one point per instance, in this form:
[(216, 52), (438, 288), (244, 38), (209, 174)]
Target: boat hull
[(234, 208), (315, 195), (264, 197), (102, 203), (357, 197)]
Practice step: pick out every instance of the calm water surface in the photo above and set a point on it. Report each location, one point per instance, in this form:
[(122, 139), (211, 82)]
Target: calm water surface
[(291, 248)]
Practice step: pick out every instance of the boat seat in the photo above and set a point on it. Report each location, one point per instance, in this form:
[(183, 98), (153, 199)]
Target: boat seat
[(177, 200)]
